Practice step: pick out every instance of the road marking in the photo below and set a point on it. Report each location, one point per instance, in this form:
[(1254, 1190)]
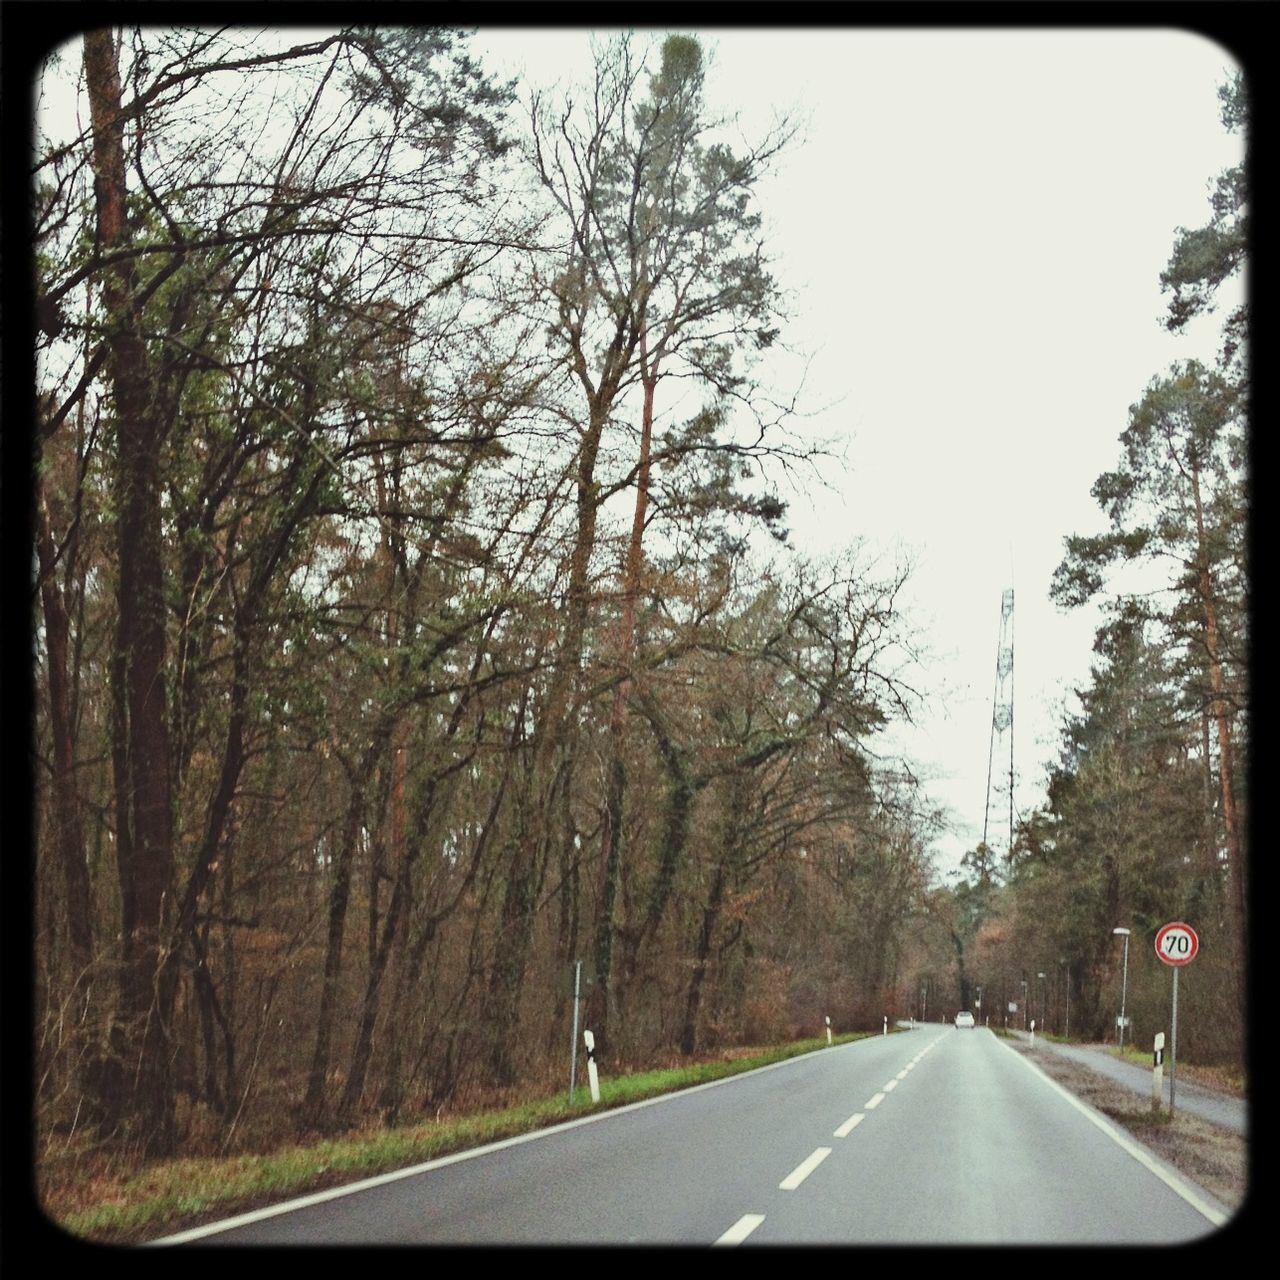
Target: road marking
[(891, 1086), (902, 1075), (850, 1125), (802, 1171), (1171, 1180), (741, 1229), (872, 1103)]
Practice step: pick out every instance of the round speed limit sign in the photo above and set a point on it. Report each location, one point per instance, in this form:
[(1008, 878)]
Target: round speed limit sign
[(1177, 943)]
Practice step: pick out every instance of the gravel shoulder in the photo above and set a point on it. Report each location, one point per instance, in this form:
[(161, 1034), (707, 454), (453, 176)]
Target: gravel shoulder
[(1213, 1157)]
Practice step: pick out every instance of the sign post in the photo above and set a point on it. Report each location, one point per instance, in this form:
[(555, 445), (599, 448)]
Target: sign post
[(573, 1040), (1176, 944)]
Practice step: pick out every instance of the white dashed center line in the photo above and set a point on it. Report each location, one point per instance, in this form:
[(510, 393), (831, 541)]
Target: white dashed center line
[(802, 1171), (741, 1229), (850, 1125), (750, 1221)]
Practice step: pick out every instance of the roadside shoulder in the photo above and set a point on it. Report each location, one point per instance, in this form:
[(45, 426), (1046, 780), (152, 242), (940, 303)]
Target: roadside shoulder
[(1209, 1155)]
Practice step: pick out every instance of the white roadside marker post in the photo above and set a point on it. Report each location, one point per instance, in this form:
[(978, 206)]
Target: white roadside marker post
[(1157, 1071), (592, 1078), (1033, 1031), (828, 1031), (885, 1032)]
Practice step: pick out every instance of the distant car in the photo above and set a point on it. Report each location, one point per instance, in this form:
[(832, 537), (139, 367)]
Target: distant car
[(964, 1019)]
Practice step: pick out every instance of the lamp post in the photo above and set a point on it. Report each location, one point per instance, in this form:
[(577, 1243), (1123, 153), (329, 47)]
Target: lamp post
[(1043, 1023), (1124, 980)]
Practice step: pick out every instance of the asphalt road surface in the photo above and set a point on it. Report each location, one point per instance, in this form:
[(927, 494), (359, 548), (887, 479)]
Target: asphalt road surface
[(934, 1136)]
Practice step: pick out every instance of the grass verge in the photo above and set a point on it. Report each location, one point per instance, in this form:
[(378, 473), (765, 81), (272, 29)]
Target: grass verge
[(164, 1197), (1225, 1079)]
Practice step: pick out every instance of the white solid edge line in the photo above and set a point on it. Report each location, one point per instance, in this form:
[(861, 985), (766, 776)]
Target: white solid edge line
[(850, 1125), (741, 1229), (1144, 1158), (802, 1171), (334, 1193), (872, 1103)]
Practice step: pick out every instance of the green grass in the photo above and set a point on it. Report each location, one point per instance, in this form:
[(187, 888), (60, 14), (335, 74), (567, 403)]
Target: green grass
[(164, 1197), (1132, 1053)]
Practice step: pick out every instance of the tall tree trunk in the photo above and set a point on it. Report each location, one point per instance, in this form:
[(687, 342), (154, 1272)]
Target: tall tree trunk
[(1211, 838), (68, 824), (1226, 764), (735, 797), (515, 928), (363, 1048), (92, 1067), (548, 767), (617, 775), (568, 896), (143, 801), (313, 1105), (674, 840), (706, 935)]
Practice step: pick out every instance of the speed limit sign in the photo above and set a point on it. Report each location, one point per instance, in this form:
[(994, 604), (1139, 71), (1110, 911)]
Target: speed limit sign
[(1177, 943)]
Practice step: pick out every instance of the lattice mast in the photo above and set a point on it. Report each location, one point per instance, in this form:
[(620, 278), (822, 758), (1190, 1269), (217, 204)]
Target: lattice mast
[(1002, 710)]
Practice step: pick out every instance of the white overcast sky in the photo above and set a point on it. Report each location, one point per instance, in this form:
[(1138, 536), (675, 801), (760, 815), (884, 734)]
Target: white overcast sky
[(973, 226)]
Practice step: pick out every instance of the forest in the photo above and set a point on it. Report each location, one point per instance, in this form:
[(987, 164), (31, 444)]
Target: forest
[(414, 619), (1147, 809)]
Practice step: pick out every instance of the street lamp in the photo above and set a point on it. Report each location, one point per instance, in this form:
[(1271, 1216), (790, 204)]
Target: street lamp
[(1124, 980), (1043, 1025)]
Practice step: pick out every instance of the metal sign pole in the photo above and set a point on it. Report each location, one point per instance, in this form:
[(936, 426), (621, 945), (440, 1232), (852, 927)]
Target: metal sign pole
[(573, 1050), (1177, 943)]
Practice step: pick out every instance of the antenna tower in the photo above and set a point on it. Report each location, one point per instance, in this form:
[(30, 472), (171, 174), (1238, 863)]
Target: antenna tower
[(1002, 710)]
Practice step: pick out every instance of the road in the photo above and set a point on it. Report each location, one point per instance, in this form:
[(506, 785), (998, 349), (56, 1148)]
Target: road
[(934, 1136)]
